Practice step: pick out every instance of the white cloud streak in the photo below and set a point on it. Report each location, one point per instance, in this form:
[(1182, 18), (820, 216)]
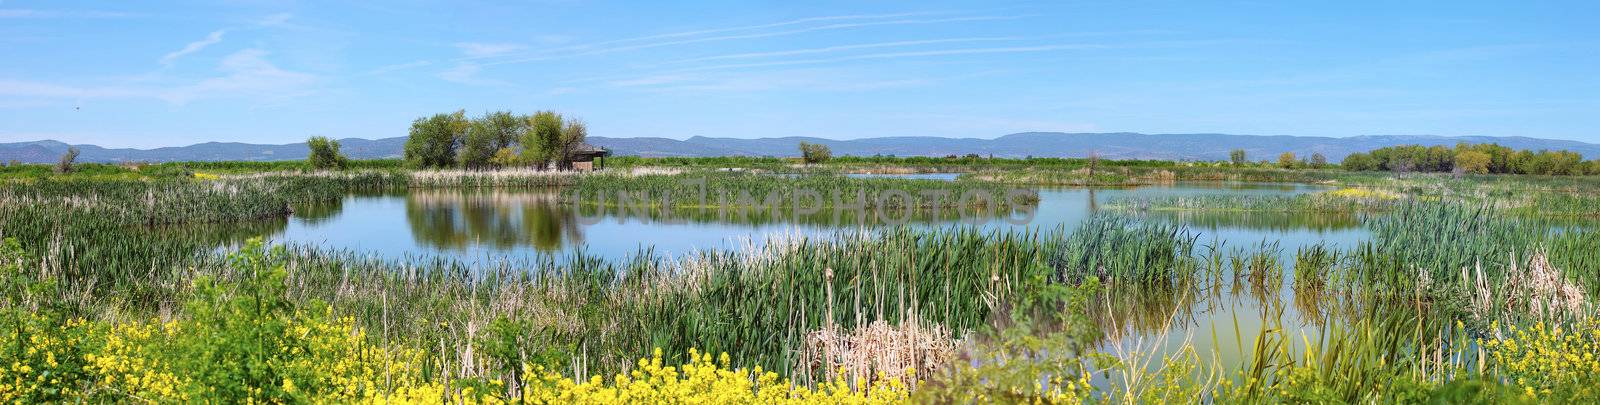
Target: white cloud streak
[(245, 74), (485, 50), (31, 13), (907, 54), (830, 49), (598, 48), (196, 46), (467, 73)]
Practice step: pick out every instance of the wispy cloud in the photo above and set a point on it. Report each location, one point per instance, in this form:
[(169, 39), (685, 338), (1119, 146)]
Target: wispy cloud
[(398, 67), (246, 74), (192, 47), (830, 49), (467, 73), (789, 80), (907, 54), (484, 50), (33, 13), (697, 37), (761, 26)]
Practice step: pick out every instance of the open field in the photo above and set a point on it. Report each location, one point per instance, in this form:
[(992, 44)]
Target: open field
[(155, 285)]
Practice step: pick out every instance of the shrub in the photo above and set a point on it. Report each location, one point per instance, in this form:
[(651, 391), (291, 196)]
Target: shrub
[(433, 140), (542, 140), (325, 154), (65, 164), (815, 153)]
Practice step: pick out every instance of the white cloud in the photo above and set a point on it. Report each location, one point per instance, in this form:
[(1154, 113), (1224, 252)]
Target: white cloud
[(31, 13), (911, 54), (467, 73), (192, 47), (245, 74), (830, 49), (789, 80), (21, 13), (248, 74), (398, 67), (741, 33), (485, 50)]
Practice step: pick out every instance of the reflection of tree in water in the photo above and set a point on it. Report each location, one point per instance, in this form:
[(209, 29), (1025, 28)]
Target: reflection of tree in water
[(1259, 220), (499, 219), (825, 216), (317, 213)]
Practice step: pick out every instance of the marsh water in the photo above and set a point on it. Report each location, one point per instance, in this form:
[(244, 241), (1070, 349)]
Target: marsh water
[(479, 225), (496, 225)]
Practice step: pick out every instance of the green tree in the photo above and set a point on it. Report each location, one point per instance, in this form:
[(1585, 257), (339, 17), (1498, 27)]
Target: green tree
[(1237, 157), (506, 127), (1472, 162), (479, 145), (541, 138), (573, 133), (1286, 160), (1359, 162), (433, 140), (325, 154), (505, 157), (815, 152)]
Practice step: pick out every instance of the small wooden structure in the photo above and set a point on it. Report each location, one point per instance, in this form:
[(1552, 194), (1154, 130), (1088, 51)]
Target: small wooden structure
[(585, 156)]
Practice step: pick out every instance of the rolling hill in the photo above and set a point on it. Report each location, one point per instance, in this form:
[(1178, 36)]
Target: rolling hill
[(1037, 144)]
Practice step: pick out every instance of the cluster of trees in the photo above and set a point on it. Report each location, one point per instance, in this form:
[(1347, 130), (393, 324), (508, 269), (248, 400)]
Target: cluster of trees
[(325, 154), (64, 165), (1486, 158), (495, 139), (815, 152), (1287, 160)]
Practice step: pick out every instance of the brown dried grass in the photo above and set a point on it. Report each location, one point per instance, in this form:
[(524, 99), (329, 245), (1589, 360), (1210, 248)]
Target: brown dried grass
[(881, 351)]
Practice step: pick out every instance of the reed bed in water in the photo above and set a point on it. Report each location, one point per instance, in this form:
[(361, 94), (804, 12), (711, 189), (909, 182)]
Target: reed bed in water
[(113, 227), (1121, 250), (758, 306), (1336, 201), (767, 190)]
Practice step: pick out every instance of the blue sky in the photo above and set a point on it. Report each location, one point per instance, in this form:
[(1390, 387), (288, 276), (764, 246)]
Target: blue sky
[(143, 75)]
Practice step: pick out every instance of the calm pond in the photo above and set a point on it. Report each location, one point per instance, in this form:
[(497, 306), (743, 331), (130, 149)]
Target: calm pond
[(476, 225), (497, 225)]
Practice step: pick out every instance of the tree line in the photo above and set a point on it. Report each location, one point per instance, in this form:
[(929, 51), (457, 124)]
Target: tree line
[(493, 140), (1286, 160), (1483, 158)]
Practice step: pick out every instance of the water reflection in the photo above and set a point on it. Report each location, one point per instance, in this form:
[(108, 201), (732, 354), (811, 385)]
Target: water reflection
[(501, 223), (499, 219)]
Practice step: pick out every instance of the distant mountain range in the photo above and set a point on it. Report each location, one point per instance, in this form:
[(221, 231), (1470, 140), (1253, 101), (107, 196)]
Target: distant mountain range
[(1037, 144)]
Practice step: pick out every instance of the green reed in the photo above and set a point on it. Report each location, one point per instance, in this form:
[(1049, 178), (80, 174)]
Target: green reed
[(1121, 250), (756, 191)]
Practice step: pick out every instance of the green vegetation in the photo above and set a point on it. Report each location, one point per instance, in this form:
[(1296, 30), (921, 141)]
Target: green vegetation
[(125, 283), (433, 140), (324, 154), (495, 140), (1472, 158), (67, 159), (815, 153)]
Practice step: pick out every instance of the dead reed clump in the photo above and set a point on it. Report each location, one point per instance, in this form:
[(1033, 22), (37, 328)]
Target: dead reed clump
[(1160, 177), (881, 351), (1538, 289), (1544, 289)]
